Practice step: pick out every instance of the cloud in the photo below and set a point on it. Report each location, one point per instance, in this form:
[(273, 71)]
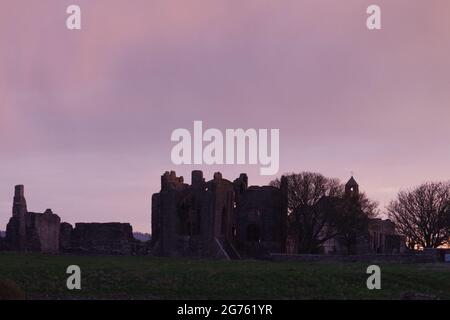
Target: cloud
[(77, 104)]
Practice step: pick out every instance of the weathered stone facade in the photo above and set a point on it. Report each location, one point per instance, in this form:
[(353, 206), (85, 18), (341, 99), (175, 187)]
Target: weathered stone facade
[(30, 231), (44, 232), (65, 236), (379, 238), (3, 245), (101, 238), (383, 239), (261, 218), (112, 238), (218, 218)]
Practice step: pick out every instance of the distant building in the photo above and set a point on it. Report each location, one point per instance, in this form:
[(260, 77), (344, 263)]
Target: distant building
[(378, 238)]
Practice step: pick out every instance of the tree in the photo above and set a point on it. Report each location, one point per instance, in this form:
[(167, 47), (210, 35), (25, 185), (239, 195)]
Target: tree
[(309, 219), (320, 211), (307, 188), (368, 206), (315, 224), (422, 214), (448, 223), (352, 220)]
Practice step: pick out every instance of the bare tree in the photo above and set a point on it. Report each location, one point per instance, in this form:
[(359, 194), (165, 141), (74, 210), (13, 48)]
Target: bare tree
[(353, 218), (319, 211), (307, 188), (309, 220), (315, 224), (422, 214), (368, 206)]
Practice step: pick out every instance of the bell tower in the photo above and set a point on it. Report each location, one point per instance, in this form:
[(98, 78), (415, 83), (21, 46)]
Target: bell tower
[(351, 188)]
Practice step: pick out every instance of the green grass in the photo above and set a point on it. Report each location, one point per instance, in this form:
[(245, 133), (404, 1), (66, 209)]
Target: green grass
[(106, 277)]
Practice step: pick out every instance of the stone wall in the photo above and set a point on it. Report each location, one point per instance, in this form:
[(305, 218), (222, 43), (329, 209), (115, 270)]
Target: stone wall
[(101, 238), (369, 258), (43, 231), (261, 214), (437, 253), (382, 237), (65, 236)]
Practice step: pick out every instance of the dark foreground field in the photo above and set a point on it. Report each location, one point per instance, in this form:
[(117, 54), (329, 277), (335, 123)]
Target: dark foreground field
[(105, 277)]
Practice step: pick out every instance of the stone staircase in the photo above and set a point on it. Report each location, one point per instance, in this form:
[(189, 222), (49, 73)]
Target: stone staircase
[(228, 248)]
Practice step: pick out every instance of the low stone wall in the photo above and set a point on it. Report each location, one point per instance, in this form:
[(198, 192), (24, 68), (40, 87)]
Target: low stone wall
[(101, 238), (372, 258), (438, 254)]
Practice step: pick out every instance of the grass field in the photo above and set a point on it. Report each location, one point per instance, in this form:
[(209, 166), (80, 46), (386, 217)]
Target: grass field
[(106, 277)]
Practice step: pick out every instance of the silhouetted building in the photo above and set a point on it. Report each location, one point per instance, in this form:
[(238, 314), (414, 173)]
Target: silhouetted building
[(218, 218), (378, 237), (351, 188), (44, 232), (30, 231)]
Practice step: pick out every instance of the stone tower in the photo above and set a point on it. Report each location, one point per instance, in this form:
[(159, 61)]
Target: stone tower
[(19, 202), (19, 212), (31, 231), (351, 188)]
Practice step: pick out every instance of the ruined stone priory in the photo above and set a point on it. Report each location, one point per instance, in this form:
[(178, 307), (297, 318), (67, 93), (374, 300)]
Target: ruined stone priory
[(232, 220), (218, 218)]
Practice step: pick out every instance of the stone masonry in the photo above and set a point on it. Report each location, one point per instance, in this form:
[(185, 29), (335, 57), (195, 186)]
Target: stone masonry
[(218, 218), (30, 231), (44, 232)]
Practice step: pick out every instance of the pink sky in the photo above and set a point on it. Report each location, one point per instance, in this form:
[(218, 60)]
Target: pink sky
[(86, 116)]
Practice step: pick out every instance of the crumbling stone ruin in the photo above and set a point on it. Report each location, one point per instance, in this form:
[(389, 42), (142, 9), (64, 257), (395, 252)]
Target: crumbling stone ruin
[(218, 218), (261, 218), (225, 219), (98, 238), (30, 231), (379, 238), (3, 245), (383, 239), (65, 236), (44, 232)]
